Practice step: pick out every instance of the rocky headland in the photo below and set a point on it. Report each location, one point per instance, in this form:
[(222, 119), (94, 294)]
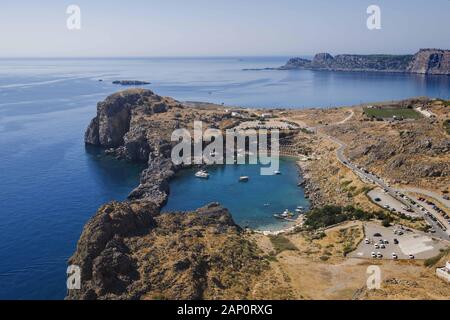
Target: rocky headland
[(131, 82), (130, 250), (426, 61)]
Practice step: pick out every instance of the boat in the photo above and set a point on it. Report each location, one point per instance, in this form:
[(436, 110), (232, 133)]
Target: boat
[(276, 172), (266, 204), (202, 174), (299, 210), (287, 213), (244, 179)]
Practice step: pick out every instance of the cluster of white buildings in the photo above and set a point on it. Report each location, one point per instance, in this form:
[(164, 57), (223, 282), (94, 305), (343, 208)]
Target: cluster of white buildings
[(444, 272)]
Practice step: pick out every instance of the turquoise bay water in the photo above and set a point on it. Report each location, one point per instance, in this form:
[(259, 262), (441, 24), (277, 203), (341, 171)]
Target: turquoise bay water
[(246, 201), (50, 184)]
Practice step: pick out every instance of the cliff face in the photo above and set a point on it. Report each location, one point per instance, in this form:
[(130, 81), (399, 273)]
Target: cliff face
[(117, 125), (431, 61), (131, 251), (426, 61)]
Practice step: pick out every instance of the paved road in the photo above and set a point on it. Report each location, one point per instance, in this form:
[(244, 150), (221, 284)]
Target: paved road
[(429, 193), (371, 178)]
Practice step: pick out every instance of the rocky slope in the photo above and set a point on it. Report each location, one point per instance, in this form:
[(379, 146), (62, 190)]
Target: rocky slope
[(131, 251), (426, 61), (431, 61)]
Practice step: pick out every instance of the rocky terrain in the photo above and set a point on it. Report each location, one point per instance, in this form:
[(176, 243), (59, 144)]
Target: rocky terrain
[(130, 82), (412, 151), (426, 61), (130, 250)]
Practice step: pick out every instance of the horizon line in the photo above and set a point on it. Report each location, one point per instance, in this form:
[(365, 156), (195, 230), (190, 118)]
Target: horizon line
[(203, 56)]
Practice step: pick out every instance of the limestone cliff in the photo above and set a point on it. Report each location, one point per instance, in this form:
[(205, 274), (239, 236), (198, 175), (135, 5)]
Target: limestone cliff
[(431, 61), (426, 61)]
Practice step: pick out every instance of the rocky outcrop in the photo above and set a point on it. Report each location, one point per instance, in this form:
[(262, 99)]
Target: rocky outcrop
[(131, 82), (431, 61), (426, 61), (296, 63), (131, 251), (322, 61), (113, 118)]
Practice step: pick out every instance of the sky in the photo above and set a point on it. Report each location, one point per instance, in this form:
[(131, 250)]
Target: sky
[(220, 27)]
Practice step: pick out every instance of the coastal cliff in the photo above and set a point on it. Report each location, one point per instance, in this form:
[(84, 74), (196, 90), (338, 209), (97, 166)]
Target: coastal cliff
[(129, 250), (426, 61)]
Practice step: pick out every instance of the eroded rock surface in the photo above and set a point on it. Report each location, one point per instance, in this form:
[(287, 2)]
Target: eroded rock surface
[(130, 251)]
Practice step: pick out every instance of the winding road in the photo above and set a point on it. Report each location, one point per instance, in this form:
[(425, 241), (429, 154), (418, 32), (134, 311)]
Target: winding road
[(369, 177)]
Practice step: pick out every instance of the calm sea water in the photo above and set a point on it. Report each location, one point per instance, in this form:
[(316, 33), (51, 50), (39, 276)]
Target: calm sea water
[(50, 184), (252, 203)]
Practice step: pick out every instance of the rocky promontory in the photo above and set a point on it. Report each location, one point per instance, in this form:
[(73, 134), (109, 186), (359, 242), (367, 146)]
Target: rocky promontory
[(426, 61), (130, 250), (131, 82)]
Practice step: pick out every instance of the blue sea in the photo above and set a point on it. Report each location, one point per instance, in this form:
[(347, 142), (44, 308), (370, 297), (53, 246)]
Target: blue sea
[(51, 184), (252, 204)]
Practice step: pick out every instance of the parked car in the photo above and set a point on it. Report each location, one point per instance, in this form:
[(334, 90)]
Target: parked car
[(395, 241), (394, 256), (377, 235), (411, 256)]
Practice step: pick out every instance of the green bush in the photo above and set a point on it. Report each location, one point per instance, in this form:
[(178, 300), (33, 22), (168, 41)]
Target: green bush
[(281, 243), (432, 261), (330, 215), (447, 126)]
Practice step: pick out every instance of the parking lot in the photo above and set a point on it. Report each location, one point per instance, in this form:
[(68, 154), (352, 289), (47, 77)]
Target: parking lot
[(417, 244), (388, 202)]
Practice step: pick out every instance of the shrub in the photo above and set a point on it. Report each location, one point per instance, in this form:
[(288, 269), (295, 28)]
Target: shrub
[(330, 215), (281, 243)]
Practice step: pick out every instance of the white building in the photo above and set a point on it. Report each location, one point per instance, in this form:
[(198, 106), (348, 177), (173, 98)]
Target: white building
[(444, 272)]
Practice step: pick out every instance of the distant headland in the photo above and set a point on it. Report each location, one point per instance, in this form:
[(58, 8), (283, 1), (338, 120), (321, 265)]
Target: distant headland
[(131, 82), (426, 61)]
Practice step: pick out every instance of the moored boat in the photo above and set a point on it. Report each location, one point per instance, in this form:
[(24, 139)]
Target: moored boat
[(202, 174)]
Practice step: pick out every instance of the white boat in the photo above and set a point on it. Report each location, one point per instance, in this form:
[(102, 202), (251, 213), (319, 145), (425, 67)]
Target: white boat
[(203, 174), (244, 179), (277, 172), (287, 213)]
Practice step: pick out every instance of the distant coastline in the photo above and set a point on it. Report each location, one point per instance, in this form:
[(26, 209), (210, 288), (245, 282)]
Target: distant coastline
[(426, 61)]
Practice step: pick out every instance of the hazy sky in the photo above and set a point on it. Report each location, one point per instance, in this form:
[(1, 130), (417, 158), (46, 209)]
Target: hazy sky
[(220, 27)]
